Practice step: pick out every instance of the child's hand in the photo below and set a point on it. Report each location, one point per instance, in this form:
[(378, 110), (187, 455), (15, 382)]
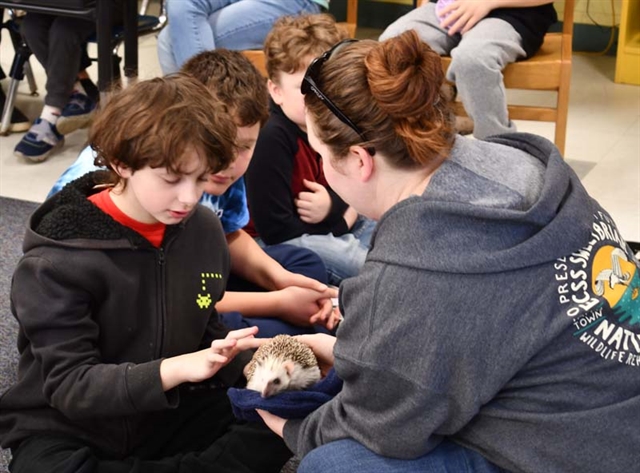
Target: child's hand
[(328, 317), (200, 365), (284, 278), (460, 16), (303, 307), (313, 206)]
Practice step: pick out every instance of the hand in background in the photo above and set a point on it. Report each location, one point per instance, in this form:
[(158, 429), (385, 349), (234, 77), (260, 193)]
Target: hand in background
[(200, 365), (462, 15), (313, 206)]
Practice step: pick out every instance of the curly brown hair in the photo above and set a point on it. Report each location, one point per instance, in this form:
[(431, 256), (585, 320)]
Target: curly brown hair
[(153, 122), (294, 39), (231, 77), (392, 90)]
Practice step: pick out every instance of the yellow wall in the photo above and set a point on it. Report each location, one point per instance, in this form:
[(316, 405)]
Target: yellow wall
[(599, 10)]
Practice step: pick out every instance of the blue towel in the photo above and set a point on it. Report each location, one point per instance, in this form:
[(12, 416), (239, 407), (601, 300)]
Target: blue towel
[(288, 404)]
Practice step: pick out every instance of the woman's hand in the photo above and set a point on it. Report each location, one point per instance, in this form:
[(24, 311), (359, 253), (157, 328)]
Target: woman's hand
[(322, 345), (200, 365), (275, 423)]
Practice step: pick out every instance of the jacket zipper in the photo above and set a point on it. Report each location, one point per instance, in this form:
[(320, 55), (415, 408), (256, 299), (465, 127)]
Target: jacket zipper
[(162, 305)]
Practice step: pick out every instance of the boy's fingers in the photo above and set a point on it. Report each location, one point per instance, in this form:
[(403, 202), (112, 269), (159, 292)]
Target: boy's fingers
[(223, 344), (217, 358), (249, 343), (242, 333)]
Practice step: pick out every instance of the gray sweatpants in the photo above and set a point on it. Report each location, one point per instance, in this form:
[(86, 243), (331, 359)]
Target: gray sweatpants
[(477, 60)]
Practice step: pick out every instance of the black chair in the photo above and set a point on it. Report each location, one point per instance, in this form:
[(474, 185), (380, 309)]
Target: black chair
[(147, 24)]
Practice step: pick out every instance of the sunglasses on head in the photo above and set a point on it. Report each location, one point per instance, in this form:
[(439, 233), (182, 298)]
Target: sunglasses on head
[(309, 84)]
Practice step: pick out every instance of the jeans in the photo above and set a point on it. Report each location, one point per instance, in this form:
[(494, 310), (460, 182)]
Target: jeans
[(202, 25), (343, 256), (349, 456)]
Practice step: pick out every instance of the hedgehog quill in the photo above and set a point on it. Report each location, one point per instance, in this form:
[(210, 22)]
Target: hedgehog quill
[(282, 364)]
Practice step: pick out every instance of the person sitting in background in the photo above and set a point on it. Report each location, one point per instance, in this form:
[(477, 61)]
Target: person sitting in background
[(58, 42), (202, 25), (280, 289), (495, 324), (482, 38), (289, 198)]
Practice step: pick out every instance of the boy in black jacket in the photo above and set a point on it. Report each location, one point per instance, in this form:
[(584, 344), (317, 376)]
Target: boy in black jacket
[(124, 364)]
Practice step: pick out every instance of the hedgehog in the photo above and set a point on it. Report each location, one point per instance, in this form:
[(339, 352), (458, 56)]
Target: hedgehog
[(282, 364)]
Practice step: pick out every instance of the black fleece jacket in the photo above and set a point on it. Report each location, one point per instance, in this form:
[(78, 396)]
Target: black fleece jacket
[(99, 308)]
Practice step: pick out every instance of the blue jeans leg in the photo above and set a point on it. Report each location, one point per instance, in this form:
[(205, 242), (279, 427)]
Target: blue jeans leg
[(349, 456), (202, 25), (344, 255)]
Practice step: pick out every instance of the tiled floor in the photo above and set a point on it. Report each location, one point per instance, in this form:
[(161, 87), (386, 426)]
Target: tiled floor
[(603, 140)]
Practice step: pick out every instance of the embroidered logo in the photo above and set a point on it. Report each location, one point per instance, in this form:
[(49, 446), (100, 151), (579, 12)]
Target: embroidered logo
[(204, 301)]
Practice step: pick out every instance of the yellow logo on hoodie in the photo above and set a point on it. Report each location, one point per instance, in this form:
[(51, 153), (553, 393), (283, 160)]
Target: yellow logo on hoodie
[(204, 301)]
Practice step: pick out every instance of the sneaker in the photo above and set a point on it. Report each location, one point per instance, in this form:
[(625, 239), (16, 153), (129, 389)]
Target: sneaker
[(76, 114), (41, 140), (19, 122)]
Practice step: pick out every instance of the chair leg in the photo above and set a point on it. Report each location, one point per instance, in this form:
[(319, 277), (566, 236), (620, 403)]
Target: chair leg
[(9, 103), (17, 74), (563, 108), (33, 86)]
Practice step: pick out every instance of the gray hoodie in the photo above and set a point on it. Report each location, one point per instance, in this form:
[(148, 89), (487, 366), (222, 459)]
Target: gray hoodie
[(500, 309)]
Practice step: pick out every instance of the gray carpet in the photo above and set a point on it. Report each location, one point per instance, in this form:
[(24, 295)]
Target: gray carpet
[(13, 218)]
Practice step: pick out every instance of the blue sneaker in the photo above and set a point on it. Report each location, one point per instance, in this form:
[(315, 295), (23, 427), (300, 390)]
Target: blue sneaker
[(76, 114), (41, 140)]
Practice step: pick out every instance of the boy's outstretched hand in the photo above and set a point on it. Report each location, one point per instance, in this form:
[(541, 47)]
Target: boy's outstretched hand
[(200, 365)]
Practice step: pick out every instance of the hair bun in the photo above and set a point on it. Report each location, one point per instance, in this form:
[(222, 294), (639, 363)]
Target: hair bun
[(404, 76)]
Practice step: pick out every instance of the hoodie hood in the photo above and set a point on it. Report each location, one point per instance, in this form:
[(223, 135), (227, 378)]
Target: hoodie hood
[(508, 211), (70, 220)]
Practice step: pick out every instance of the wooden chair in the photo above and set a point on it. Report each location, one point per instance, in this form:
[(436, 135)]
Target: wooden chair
[(256, 56), (549, 69)]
